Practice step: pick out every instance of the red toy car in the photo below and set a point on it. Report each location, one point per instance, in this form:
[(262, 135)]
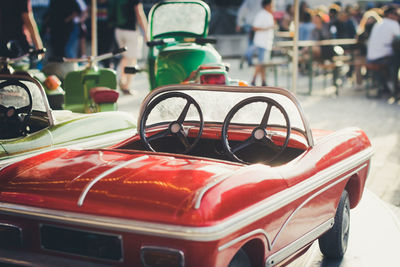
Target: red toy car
[(215, 176)]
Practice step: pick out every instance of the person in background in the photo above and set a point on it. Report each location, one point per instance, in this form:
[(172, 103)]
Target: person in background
[(306, 27), (321, 32), (73, 45), (380, 50), (14, 17), (127, 15), (263, 27), (105, 31), (287, 20), (244, 22), (58, 22)]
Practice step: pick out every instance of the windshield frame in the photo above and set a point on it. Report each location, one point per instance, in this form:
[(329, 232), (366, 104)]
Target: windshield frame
[(179, 33), (234, 89)]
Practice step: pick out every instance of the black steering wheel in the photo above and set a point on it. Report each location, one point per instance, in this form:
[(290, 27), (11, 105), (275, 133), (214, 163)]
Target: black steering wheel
[(175, 128), (259, 133), (10, 117)]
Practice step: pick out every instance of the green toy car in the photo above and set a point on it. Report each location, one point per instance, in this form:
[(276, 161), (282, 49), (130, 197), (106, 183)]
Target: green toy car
[(28, 124), (179, 49)]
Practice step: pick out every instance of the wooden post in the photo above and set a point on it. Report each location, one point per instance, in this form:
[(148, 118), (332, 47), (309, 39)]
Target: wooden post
[(295, 47), (94, 28)]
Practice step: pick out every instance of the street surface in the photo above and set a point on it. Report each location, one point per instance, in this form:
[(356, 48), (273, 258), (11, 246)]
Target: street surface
[(375, 227)]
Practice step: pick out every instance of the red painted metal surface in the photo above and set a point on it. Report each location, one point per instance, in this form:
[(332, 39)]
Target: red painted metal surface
[(166, 189)]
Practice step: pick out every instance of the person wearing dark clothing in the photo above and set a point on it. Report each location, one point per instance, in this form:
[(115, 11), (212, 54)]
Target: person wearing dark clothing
[(105, 30), (59, 21), (14, 16), (127, 15), (321, 32)]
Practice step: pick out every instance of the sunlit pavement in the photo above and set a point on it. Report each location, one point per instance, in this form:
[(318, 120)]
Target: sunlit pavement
[(374, 230), (373, 239)]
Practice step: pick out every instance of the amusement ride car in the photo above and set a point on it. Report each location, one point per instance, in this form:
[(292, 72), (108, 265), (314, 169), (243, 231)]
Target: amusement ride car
[(215, 176), (28, 124), (179, 49)]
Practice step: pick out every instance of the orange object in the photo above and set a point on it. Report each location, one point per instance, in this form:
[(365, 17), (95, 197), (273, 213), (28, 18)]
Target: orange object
[(52, 82)]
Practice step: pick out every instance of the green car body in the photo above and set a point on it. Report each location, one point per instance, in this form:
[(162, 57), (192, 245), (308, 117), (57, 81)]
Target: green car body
[(58, 128), (173, 62), (77, 85)]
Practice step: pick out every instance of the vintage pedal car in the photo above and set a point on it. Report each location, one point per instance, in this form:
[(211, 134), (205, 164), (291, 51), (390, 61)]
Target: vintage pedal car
[(215, 176), (28, 125)]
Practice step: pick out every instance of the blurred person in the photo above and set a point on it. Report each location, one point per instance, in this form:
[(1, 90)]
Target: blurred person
[(364, 28), (127, 15), (363, 32), (303, 8), (105, 31), (380, 50), (263, 27), (74, 43), (348, 28), (244, 22), (59, 23), (287, 19), (14, 17), (321, 32), (306, 27), (335, 25)]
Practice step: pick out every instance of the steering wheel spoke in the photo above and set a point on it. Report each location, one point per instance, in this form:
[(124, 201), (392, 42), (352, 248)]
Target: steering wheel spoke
[(25, 109), (159, 135), (183, 138), (265, 118), (271, 145), (243, 144), (184, 112)]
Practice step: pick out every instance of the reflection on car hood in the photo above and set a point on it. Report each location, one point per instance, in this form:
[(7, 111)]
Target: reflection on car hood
[(134, 185)]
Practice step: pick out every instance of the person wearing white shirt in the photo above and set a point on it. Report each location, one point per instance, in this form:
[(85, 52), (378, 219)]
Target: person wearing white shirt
[(379, 47), (263, 26)]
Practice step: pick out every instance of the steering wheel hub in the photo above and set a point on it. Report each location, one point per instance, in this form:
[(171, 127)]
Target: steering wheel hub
[(175, 127), (259, 133)]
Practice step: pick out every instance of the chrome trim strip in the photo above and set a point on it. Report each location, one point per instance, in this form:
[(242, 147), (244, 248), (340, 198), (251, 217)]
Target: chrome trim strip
[(298, 244), (209, 233), (245, 236), (313, 196), (219, 178), (104, 174)]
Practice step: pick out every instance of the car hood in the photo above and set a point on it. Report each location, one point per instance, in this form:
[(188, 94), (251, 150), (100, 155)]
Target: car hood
[(133, 185)]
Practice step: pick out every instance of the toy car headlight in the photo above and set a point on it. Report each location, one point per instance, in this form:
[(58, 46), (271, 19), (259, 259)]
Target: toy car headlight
[(161, 257)]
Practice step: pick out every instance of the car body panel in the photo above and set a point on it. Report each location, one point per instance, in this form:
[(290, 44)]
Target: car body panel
[(174, 64), (77, 85), (203, 207)]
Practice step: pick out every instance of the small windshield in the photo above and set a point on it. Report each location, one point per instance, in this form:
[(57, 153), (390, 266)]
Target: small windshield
[(16, 96), (191, 17), (215, 105)]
